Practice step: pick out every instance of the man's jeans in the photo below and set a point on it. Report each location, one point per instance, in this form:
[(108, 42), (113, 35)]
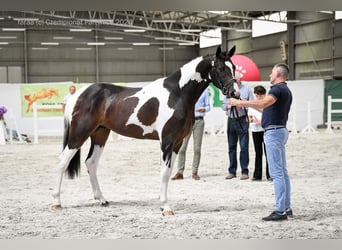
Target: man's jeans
[(237, 130), (275, 140)]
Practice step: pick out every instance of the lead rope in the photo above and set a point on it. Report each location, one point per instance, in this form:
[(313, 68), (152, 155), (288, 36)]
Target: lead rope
[(236, 114)]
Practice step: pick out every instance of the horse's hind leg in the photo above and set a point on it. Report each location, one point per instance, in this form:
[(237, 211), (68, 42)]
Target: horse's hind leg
[(165, 172), (65, 159), (98, 140)]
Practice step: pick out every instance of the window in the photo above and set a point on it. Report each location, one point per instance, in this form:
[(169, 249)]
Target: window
[(210, 38), (269, 24)]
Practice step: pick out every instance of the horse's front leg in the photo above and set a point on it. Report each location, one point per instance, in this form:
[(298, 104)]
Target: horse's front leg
[(167, 162)]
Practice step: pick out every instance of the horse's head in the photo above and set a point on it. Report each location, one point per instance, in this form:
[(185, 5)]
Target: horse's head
[(222, 73)]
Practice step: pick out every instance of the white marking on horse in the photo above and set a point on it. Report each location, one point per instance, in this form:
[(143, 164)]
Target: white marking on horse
[(188, 72), (156, 90), (92, 164), (230, 66), (236, 87), (72, 101)]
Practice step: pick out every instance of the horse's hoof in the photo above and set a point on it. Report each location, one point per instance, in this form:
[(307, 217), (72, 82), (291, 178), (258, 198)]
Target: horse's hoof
[(105, 204), (56, 207), (168, 213)]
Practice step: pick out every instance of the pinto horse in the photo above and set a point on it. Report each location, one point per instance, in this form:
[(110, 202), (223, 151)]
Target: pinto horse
[(162, 110)]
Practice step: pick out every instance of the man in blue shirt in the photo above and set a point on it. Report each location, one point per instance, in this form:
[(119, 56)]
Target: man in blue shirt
[(201, 107), (276, 107), (238, 131)]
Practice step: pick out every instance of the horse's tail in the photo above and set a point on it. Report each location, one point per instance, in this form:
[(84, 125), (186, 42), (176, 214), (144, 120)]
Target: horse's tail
[(74, 166)]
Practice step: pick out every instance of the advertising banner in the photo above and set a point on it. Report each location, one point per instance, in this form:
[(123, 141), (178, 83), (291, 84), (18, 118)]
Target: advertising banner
[(49, 98)]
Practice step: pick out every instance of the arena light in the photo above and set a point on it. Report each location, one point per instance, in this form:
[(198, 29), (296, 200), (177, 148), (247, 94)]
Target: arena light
[(191, 30), (94, 43), (80, 30), (8, 37), (141, 44), (23, 19), (13, 29), (244, 30), (83, 49), (62, 37), (49, 43), (3, 43), (40, 48), (113, 38), (134, 30), (186, 44), (163, 21)]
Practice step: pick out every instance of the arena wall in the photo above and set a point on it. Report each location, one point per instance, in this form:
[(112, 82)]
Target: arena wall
[(11, 96)]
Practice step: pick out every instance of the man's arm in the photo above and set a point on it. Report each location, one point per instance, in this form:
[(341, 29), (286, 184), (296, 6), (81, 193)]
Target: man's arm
[(256, 104)]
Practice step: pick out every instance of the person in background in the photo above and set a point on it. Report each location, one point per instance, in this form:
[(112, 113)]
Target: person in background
[(238, 131), (72, 90), (201, 107), (275, 110), (255, 117), (10, 133), (3, 127)]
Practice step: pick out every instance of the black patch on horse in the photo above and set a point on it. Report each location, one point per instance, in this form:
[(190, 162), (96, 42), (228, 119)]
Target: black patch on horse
[(171, 83), (204, 67)]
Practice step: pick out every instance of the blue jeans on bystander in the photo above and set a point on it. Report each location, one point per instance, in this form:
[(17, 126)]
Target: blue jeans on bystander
[(275, 140)]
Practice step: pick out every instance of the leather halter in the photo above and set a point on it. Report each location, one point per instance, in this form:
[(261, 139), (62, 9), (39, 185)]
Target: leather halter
[(224, 86)]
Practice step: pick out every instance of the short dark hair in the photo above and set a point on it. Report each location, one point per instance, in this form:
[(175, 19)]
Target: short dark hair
[(259, 90), (283, 69)]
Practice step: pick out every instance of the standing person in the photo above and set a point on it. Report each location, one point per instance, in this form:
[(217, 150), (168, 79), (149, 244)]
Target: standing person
[(3, 131), (72, 90), (276, 106), (238, 131), (201, 107), (255, 117)]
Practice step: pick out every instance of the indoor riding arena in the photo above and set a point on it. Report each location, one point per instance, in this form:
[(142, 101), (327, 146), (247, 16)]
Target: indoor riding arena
[(44, 54)]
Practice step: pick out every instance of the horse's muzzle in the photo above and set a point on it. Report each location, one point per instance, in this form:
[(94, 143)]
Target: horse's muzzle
[(228, 88)]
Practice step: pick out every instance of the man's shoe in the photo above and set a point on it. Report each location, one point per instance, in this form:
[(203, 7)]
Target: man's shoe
[(289, 212), (269, 179), (256, 179), (230, 176), (244, 177), (195, 176), (177, 176), (276, 216)]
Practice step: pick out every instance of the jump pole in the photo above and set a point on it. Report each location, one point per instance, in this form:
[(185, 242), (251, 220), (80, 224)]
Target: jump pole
[(35, 123), (309, 129)]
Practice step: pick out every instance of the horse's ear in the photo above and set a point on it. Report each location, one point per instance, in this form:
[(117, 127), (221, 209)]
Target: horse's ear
[(218, 51), (231, 51)]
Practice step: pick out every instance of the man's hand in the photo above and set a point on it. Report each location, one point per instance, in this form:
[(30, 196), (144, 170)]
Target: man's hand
[(201, 110), (234, 102)]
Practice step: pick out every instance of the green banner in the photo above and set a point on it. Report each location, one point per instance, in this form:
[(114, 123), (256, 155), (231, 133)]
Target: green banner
[(214, 94), (333, 88)]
